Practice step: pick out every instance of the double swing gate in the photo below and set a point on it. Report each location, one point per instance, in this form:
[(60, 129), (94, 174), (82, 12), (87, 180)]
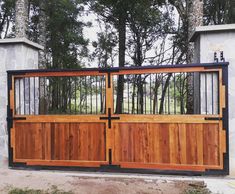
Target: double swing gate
[(171, 119)]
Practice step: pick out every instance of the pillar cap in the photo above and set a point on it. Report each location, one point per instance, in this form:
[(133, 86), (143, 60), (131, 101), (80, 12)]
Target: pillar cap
[(211, 29), (21, 41)]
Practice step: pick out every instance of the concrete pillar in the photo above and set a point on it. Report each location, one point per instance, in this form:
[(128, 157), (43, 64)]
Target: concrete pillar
[(211, 39), (16, 54)]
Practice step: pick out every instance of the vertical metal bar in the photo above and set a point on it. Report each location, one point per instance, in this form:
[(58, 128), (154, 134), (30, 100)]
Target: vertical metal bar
[(86, 92), (39, 95), (162, 91), (75, 93), (96, 93), (145, 94), (128, 90), (19, 99), (137, 106), (45, 95), (100, 93), (80, 92), (29, 96), (200, 106), (91, 92), (174, 95), (212, 95), (24, 96), (105, 93), (193, 92), (70, 94), (180, 92), (150, 93), (157, 94), (168, 101), (206, 90), (34, 95)]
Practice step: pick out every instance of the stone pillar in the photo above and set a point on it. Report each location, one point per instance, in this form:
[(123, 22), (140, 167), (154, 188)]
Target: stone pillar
[(16, 54), (210, 39)]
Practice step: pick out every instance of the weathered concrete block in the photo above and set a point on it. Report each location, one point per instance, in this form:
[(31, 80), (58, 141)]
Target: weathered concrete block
[(16, 54)]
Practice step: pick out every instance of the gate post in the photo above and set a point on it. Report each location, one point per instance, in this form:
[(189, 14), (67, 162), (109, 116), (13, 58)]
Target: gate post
[(216, 43), (16, 54)]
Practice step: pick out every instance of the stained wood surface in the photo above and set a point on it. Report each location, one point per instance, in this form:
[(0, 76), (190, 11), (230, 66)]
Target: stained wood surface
[(184, 144), (60, 141)]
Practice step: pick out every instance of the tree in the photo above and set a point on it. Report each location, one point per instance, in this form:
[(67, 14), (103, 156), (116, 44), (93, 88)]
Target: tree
[(147, 24), (115, 12), (21, 18), (105, 47), (7, 10), (219, 12)]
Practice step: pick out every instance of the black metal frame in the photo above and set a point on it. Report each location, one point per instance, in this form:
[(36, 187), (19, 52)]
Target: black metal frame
[(117, 69), (116, 168)]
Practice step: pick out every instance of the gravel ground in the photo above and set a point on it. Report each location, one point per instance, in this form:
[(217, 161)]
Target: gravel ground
[(91, 183)]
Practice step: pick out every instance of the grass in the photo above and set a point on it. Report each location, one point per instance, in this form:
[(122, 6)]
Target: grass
[(197, 190), (53, 190)]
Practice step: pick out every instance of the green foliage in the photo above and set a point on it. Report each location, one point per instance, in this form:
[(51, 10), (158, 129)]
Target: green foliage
[(53, 190), (105, 47), (219, 12), (148, 22), (65, 38), (197, 191), (64, 32), (6, 17)]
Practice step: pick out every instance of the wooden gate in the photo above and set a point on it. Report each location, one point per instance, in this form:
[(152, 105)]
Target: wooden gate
[(154, 118)]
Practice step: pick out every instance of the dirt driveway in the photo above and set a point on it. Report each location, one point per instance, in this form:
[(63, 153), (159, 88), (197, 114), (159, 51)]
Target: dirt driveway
[(90, 183)]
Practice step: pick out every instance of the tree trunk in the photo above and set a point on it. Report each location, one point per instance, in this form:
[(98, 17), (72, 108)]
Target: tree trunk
[(166, 85), (195, 18), (122, 48), (21, 18), (42, 34)]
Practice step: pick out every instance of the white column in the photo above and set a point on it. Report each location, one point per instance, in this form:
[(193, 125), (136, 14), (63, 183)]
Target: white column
[(16, 54)]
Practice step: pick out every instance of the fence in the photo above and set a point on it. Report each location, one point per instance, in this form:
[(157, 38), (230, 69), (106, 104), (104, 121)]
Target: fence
[(153, 117)]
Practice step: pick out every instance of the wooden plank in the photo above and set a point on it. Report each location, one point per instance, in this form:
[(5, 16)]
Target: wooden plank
[(66, 163), (182, 144), (61, 118), (125, 118), (28, 140), (200, 143), (47, 141), (162, 166), (174, 144), (164, 142), (211, 144), (163, 70), (61, 74), (191, 140)]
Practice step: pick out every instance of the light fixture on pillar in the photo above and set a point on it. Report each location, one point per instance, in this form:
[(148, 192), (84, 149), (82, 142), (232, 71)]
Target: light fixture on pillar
[(216, 60), (222, 59)]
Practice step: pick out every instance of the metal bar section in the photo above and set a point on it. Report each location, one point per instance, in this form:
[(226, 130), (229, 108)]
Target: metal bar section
[(116, 69)]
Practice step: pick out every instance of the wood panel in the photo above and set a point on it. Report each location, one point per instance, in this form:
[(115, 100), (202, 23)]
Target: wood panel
[(60, 141), (176, 144), (78, 141), (29, 141)]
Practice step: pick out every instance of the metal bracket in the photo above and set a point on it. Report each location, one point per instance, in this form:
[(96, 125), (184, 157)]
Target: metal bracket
[(213, 119), (109, 118)]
